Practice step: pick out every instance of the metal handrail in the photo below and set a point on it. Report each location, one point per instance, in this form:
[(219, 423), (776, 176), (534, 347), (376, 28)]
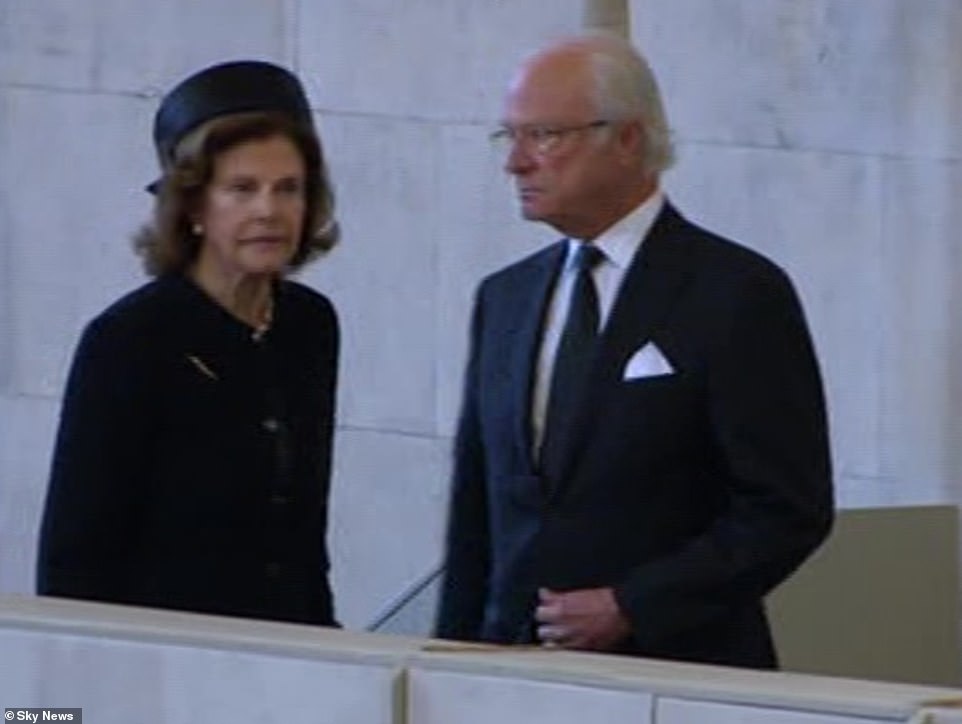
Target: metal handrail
[(396, 604)]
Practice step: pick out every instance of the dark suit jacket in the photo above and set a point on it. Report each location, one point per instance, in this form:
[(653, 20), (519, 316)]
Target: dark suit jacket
[(192, 463), (691, 494)]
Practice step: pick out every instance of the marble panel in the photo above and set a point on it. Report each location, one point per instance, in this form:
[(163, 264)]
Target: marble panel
[(7, 335), (383, 276), (120, 681), (875, 78), (388, 509), (74, 196), (27, 428), (441, 697), (50, 43), (227, 686), (135, 47), (921, 331), (421, 58), (869, 491), (680, 711), (146, 47)]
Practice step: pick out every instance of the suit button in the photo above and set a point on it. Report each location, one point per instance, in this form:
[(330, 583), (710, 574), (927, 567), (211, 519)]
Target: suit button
[(271, 424), (278, 499), (273, 569)]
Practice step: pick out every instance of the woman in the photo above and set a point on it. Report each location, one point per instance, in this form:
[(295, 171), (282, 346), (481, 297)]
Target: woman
[(193, 459)]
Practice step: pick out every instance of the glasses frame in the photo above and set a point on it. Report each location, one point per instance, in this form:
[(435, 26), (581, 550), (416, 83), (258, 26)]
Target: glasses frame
[(541, 138)]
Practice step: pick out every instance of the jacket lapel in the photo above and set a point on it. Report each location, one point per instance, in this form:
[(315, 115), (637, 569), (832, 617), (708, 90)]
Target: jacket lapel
[(524, 322), (651, 283)]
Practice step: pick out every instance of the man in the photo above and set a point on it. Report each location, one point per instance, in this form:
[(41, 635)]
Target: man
[(642, 453)]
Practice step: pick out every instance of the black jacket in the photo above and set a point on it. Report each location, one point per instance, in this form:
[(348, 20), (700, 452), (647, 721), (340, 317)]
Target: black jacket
[(192, 463), (691, 494)]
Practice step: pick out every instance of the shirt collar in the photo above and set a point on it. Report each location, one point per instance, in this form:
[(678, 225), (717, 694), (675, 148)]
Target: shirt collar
[(621, 240)]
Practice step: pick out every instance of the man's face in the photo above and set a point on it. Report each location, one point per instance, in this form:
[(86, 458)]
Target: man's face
[(562, 154)]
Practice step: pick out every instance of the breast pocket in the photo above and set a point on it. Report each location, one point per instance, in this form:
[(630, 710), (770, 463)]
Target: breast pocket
[(658, 412), (653, 387)]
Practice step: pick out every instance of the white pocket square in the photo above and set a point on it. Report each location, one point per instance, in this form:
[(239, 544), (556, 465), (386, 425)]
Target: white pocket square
[(647, 362)]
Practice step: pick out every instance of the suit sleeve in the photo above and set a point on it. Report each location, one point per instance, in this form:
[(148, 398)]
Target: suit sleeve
[(464, 587), (96, 482), (767, 415)]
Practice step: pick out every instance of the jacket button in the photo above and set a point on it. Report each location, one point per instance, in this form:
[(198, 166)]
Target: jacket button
[(273, 569), (270, 424)]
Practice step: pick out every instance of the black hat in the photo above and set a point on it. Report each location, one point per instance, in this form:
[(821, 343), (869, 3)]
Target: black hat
[(223, 89)]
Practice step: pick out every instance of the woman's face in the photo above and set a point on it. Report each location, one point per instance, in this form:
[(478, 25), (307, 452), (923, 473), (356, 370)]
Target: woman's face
[(252, 211)]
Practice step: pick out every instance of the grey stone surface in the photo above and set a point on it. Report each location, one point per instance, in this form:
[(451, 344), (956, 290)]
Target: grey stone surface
[(114, 45), (438, 697), (423, 58), (7, 337), (53, 44), (27, 429), (145, 47), (384, 276), (75, 195), (921, 333), (116, 681), (877, 78), (682, 711), (387, 518)]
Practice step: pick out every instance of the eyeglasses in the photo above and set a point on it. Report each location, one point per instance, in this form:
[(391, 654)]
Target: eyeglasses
[(540, 139)]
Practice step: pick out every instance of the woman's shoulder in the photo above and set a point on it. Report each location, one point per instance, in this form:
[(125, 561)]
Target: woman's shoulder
[(306, 300), (139, 311)]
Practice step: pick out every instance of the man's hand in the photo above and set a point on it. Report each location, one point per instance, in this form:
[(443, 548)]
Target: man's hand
[(586, 619)]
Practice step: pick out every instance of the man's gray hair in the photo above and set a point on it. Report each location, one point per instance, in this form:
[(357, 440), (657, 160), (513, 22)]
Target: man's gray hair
[(627, 89)]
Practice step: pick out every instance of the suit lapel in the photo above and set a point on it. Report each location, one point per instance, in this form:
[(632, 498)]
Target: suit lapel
[(524, 322), (650, 286)]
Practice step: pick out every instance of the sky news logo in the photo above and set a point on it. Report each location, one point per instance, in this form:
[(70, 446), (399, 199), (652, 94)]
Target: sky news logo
[(35, 715)]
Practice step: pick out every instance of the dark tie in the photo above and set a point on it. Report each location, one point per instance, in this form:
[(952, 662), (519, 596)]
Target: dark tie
[(575, 351)]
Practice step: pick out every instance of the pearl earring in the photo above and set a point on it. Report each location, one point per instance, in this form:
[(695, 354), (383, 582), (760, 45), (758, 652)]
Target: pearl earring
[(196, 229)]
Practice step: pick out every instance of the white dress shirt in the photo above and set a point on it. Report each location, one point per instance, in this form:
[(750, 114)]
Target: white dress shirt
[(619, 243)]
